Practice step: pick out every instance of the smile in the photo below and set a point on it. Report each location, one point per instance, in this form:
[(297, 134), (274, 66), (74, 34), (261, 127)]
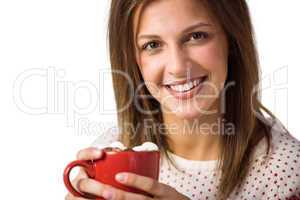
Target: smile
[(187, 89)]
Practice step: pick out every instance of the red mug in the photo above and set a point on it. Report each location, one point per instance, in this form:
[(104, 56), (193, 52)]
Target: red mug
[(145, 163)]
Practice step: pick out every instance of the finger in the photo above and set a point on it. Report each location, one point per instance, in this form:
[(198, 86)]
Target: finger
[(69, 196), (96, 188), (85, 154), (81, 175), (144, 183), (90, 153), (91, 186), (117, 194)]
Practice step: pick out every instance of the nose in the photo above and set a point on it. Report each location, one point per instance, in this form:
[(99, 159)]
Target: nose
[(178, 63)]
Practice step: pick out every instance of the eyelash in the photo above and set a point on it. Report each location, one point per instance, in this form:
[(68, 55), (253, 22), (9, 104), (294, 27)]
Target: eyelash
[(204, 35)]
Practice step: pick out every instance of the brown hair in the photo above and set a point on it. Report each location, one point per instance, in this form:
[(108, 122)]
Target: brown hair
[(243, 107)]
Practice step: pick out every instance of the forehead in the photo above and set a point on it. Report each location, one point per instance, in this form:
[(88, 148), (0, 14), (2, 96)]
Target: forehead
[(158, 15)]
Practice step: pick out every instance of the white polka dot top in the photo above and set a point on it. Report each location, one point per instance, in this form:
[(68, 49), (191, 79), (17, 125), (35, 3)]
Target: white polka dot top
[(274, 177)]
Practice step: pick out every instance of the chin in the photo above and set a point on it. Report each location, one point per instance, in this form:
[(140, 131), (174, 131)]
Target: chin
[(188, 115), (190, 111)]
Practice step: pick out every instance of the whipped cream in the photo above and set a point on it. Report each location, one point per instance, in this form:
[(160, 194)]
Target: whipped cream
[(146, 146)]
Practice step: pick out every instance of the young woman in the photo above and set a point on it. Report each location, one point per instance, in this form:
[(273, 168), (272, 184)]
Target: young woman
[(186, 78)]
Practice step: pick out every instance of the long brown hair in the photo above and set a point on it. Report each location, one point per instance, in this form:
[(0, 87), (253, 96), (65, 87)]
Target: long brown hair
[(243, 106)]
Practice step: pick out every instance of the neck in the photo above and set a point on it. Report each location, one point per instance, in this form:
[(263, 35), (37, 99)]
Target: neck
[(194, 139)]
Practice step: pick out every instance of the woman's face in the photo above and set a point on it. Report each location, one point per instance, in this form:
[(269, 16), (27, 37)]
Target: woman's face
[(182, 55)]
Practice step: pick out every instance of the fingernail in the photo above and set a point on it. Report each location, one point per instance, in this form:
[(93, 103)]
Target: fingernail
[(98, 152), (121, 177), (107, 195)]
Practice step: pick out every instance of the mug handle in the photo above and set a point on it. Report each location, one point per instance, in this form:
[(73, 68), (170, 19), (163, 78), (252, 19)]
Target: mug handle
[(89, 167)]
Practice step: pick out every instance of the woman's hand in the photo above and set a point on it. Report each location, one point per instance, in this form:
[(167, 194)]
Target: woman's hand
[(86, 185), (149, 185), (85, 154)]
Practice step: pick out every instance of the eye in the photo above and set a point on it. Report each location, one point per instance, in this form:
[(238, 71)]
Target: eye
[(150, 45), (199, 35)]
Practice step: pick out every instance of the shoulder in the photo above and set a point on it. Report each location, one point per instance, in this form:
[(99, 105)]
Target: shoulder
[(283, 144), (284, 161), (279, 171), (106, 137)]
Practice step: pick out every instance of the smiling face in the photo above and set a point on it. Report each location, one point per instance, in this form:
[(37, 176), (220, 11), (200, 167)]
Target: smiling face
[(182, 54)]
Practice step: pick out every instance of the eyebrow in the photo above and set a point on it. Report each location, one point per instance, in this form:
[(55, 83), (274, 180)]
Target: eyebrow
[(197, 25)]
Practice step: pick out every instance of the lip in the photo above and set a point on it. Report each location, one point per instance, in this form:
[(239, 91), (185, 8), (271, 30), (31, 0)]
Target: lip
[(188, 94), (183, 81)]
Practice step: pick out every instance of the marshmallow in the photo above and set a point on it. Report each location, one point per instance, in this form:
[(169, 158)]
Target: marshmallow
[(146, 146), (118, 144)]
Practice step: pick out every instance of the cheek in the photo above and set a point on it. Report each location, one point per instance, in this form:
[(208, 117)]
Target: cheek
[(152, 72), (213, 58)]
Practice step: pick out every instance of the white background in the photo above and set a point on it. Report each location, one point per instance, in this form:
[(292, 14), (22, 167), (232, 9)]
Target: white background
[(67, 38)]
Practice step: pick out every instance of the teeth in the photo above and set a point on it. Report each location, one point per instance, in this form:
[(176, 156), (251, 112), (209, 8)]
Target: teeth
[(186, 86), (196, 82)]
